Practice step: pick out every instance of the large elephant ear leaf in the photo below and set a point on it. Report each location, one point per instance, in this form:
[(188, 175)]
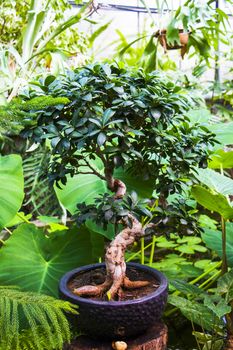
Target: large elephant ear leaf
[(85, 188), (11, 187), (213, 201), (35, 262), (213, 240), (215, 181)]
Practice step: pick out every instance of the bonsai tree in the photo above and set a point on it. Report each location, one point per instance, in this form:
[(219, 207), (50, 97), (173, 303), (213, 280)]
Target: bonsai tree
[(127, 119)]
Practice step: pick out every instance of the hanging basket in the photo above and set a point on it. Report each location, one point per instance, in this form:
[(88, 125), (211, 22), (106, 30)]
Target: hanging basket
[(183, 37)]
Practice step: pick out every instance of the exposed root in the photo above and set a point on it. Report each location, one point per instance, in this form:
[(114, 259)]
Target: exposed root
[(116, 288), (93, 291), (134, 284)]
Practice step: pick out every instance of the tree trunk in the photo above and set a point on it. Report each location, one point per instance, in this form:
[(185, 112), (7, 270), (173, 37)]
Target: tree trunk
[(114, 257), (154, 338), (229, 343)]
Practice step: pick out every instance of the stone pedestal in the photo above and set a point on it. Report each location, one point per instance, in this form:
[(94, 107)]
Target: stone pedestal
[(154, 339)]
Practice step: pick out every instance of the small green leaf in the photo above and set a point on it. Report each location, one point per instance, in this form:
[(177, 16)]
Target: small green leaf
[(166, 244), (87, 97), (108, 114), (101, 138), (186, 249)]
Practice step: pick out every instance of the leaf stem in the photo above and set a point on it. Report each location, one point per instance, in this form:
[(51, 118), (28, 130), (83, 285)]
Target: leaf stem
[(142, 250), (23, 218), (206, 272), (138, 253), (224, 238), (7, 229), (152, 251), (224, 244)]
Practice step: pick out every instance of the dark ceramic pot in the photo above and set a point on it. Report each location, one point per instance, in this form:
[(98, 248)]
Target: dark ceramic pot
[(116, 319)]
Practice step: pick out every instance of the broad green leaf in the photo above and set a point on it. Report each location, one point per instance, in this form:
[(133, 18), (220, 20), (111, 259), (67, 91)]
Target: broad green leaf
[(213, 345), (174, 266), (197, 313), (185, 249), (19, 218), (186, 288), (215, 181), (189, 240), (144, 188), (97, 33), (81, 188), (48, 219), (213, 240), (202, 337), (93, 227), (191, 249), (172, 35), (221, 159), (36, 17), (85, 188), (224, 132), (61, 27), (11, 187), (225, 285), (213, 201), (199, 116), (190, 271), (206, 221), (220, 308), (36, 262), (166, 244)]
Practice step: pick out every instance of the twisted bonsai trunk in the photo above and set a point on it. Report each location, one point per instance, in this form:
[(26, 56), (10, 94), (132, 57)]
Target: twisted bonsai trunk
[(229, 342), (114, 257)]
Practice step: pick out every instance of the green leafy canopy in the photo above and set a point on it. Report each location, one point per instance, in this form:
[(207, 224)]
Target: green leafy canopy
[(122, 119)]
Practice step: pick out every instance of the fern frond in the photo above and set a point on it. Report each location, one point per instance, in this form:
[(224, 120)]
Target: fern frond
[(10, 123), (42, 314), (41, 102), (26, 341), (18, 113)]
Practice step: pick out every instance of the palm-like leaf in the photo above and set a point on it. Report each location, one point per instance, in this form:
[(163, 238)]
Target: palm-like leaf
[(40, 197)]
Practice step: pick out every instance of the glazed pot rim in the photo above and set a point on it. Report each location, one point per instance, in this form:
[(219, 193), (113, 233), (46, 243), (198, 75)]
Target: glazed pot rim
[(157, 274)]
